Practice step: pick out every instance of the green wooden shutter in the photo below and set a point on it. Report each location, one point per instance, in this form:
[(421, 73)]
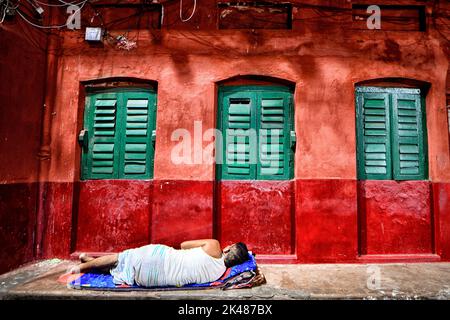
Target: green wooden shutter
[(391, 134), (238, 123), (373, 133), (274, 135), (256, 127), (120, 126), (137, 160), (103, 153), (408, 149)]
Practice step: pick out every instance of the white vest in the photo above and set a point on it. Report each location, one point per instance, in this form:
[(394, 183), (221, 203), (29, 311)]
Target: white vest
[(191, 266)]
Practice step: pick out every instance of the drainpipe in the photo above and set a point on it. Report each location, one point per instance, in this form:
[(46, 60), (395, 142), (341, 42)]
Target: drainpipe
[(44, 154)]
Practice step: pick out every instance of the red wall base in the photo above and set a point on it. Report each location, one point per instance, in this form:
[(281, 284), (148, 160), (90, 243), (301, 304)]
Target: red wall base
[(183, 210), (17, 224), (299, 221), (113, 215), (396, 217), (327, 229), (59, 218), (258, 213), (441, 210)]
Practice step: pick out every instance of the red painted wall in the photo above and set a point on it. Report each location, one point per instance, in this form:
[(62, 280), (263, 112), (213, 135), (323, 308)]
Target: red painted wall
[(17, 223), (182, 210), (22, 81), (326, 220), (318, 217), (441, 209), (113, 215), (321, 215), (396, 217), (258, 213)]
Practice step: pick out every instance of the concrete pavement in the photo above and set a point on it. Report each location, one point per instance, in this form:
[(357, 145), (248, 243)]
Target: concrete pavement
[(307, 281)]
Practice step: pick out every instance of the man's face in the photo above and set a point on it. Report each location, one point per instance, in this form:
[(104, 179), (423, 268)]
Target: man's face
[(227, 249)]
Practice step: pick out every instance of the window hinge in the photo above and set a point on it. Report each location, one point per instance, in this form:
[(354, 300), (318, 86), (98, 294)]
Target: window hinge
[(83, 139), (293, 140), (153, 137)]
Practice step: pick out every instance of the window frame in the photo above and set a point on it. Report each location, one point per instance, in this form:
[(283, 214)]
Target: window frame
[(393, 137), (419, 8), (221, 5), (290, 124), (120, 93)]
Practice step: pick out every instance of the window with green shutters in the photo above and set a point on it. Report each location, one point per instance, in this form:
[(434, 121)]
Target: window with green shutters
[(391, 134), (258, 133), (118, 134)]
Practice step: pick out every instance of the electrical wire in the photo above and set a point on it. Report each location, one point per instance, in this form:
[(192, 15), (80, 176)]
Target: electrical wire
[(67, 3), (437, 8), (7, 6), (62, 4), (20, 13), (192, 14), (17, 5), (4, 11), (39, 26), (29, 35), (320, 10)]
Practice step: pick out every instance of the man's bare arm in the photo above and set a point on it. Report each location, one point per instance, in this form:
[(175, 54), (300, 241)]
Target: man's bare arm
[(193, 243), (210, 246)]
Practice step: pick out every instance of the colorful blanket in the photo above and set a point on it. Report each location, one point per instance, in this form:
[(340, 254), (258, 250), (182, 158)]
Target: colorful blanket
[(239, 276)]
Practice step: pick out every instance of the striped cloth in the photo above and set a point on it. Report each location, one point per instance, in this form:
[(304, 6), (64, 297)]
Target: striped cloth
[(159, 265), (142, 266)]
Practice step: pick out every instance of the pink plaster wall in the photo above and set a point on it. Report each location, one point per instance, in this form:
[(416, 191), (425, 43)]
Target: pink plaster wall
[(324, 64)]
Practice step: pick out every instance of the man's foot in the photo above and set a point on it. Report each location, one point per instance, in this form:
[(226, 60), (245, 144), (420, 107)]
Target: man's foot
[(85, 258)]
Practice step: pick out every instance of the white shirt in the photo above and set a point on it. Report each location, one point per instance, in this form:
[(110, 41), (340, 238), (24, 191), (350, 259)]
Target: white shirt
[(194, 265)]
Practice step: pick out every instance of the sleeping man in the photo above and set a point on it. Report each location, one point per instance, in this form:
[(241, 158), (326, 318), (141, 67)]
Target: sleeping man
[(155, 265)]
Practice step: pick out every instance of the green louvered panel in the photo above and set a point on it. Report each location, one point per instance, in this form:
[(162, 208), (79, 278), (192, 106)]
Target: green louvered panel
[(103, 158), (391, 134), (119, 125), (408, 143), (135, 158), (100, 160), (240, 156), (273, 135), (374, 150), (256, 123), (137, 139), (105, 117)]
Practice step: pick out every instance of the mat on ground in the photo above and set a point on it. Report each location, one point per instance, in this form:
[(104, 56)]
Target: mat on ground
[(239, 276)]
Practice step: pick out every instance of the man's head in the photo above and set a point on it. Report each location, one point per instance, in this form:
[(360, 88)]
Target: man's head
[(235, 254)]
